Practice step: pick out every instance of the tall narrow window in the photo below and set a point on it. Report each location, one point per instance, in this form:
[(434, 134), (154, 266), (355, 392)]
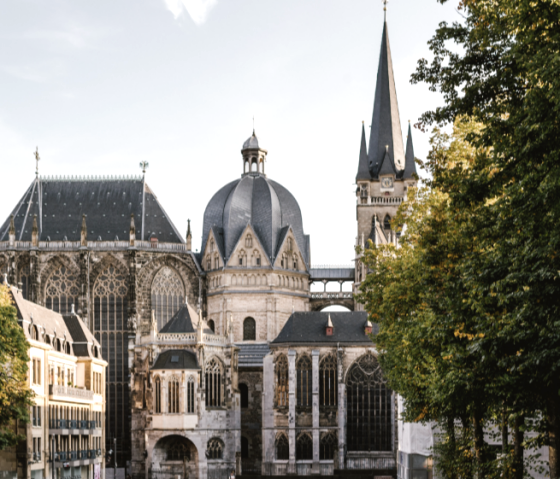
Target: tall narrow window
[(281, 373), (282, 448), (244, 447), (168, 294), (327, 446), (25, 281), (173, 396), (328, 384), (214, 449), (244, 390), (387, 222), (304, 385), (214, 383), (157, 393), (61, 290), (304, 447), (211, 325), (369, 407), (249, 329), (190, 395)]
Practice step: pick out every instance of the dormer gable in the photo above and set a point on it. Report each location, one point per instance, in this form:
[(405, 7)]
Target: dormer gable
[(213, 254), (289, 255), (249, 251)]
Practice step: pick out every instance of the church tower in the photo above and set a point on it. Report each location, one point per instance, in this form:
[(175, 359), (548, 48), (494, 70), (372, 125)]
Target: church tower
[(385, 169)]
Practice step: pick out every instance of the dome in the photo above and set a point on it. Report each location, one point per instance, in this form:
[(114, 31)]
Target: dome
[(254, 199), (251, 143)]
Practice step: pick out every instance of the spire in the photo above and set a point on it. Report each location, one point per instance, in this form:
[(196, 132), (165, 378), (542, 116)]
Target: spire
[(410, 164), (363, 168), (386, 150), (35, 233), (83, 233), (189, 236)]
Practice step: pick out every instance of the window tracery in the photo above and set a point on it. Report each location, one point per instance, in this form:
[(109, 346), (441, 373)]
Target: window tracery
[(249, 329), (214, 383), (190, 396), (173, 396), (304, 447), (215, 448), (327, 446), (368, 407), (328, 384), (157, 395), (282, 381), (178, 451), (304, 382), (282, 448), (25, 281), (168, 294), (62, 290)]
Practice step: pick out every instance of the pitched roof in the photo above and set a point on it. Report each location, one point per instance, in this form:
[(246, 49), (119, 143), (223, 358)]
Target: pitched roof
[(107, 203), (183, 321), (363, 166), (252, 355), (176, 359), (310, 327), (410, 164), (386, 150)]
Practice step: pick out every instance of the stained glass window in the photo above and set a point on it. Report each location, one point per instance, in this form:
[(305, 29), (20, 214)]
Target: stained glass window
[(214, 383), (304, 385), (168, 294), (62, 290), (328, 384)]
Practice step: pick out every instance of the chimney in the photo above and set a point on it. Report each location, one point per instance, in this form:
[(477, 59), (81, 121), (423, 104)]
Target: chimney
[(132, 231), (35, 233), (189, 237), (367, 327), (330, 327), (83, 233), (12, 232)]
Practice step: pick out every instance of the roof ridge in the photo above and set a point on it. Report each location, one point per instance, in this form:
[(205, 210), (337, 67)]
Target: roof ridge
[(90, 177)]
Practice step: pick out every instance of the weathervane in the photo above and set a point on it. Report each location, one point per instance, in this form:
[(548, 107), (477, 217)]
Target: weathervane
[(144, 165), (385, 7), (37, 158)]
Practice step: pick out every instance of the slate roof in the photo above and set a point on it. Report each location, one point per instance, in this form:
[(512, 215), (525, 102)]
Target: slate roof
[(386, 150), (410, 164), (363, 166), (69, 326), (310, 327), (252, 355), (107, 203), (251, 143), (176, 359), (183, 321), (266, 205)]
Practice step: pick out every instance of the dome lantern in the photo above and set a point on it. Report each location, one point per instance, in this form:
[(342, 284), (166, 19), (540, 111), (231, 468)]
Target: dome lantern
[(254, 157)]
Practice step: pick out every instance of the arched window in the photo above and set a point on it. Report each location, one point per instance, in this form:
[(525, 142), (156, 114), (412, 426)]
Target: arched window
[(214, 383), (216, 261), (211, 325), (249, 329), (327, 446), (244, 447), (295, 262), (387, 222), (248, 241), (215, 448), (61, 290), (304, 382), (178, 451), (173, 396), (328, 384), (190, 396), (282, 448), (289, 244), (168, 294), (25, 281), (157, 395), (281, 381), (304, 447), (208, 263), (244, 390), (254, 165), (34, 332), (369, 407)]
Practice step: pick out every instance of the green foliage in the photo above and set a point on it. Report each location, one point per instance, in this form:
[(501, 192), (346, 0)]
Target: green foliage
[(15, 396)]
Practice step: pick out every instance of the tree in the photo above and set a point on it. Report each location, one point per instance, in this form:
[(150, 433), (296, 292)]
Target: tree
[(505, 75), (15, 396)]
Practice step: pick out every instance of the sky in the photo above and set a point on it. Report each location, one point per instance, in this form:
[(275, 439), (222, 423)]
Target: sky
[(100, 86)]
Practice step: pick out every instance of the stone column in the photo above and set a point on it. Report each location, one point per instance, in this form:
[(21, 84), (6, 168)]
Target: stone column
[(341, 411), (292, 410), (316, 469)]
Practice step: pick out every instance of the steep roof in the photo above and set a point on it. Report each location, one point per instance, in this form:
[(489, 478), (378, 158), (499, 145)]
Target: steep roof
[(310, 327), (59, 204), (386, 150), (363, 165), (176, 359), (410, 164), (183, 321)]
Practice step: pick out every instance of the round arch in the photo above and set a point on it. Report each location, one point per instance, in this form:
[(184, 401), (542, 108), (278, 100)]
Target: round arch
[(178, 455)]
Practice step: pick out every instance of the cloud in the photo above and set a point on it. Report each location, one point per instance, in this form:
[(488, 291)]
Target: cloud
[(197, 9), (38, 72)]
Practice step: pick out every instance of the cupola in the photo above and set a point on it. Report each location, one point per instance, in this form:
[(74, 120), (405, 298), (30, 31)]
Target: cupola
[(254, 157)]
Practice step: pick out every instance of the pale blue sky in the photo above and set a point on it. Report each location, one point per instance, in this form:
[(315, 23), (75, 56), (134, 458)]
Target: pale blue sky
[(101, 85)]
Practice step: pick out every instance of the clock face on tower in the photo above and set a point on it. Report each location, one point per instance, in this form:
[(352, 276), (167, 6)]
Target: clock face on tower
[(386, 182)]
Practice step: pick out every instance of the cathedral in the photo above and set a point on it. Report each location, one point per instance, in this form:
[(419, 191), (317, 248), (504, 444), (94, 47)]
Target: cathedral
[(223, 360)]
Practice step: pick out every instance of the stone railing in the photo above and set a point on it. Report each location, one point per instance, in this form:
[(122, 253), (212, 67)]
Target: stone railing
[(212, 339), (332, 295), (93, 245), (70, 392), (188, 338)]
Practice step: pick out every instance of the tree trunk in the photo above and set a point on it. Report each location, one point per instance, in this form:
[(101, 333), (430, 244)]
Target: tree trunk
[(478, 434), (518, 437), (553, 414)]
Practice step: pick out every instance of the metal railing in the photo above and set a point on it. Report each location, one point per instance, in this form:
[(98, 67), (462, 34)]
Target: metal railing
[(71, 392)]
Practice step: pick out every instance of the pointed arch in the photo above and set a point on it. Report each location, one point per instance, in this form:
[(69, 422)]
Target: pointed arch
[(282, 447), (304, 383), (214, 381), (328, 383), (167, 294), (281, 376), (62, 289), (304, 447)]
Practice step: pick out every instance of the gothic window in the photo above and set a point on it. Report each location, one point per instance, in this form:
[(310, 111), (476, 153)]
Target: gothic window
[(249, 241), (257, 261), (289, 244), (168, 294), (214, 383), (216, 261), (304, 384), (304, 447), (215, 448), (244, 390), (327, 446), (212, 325), (25, 281), (282, 448), (157, 394), (295, 262), (281, 373), (173, 396), (387, 222), (328, 384), (190, 395), (61, 290), (249, 329), (208, 264), (244, 447), (368, 407), (178, 451)]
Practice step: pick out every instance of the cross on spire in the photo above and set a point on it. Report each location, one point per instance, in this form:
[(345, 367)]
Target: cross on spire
[(37, 158)]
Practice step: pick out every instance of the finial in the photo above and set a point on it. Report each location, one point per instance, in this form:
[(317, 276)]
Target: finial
[(37, 158), (144, 165), (189, 236), (253, 125), (385, 9)]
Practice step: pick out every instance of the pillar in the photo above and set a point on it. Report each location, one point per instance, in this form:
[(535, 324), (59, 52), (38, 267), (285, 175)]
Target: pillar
[(292, 410), (316, 468)]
